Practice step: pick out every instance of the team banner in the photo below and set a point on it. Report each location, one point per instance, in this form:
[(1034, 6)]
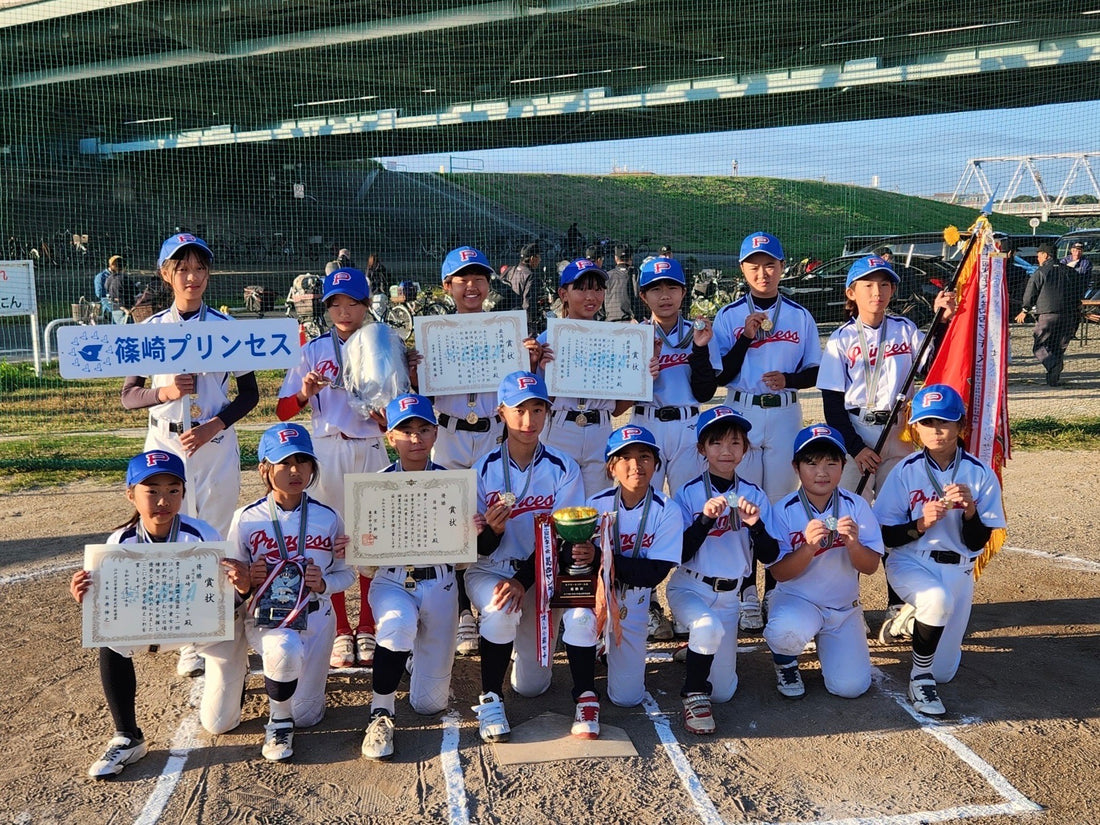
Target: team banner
[(608, 618), (599, 359), (17, 295), (118, 350), (544, 585)]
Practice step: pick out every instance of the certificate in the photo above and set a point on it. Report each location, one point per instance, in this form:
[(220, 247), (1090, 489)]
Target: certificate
[(154, 593), (599, 359), (421, 519), (469, 353)]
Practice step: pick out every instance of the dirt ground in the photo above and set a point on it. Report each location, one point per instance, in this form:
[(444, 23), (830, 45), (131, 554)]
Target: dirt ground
[(1023, 711)]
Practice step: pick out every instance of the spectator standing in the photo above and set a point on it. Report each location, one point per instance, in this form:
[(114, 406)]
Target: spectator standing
[(114, 266), (1077, 261), (377, 275), (1053, 294), (524, 283), (621, 302)]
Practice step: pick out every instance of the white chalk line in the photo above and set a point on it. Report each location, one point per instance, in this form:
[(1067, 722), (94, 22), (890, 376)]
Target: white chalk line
[(452, 769), (38, 573), (1073, 561), (183, 742)]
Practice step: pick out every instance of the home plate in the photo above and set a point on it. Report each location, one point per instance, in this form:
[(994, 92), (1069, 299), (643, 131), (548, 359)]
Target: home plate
[(546, 738)]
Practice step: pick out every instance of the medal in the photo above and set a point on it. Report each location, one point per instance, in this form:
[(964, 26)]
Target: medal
[(699, 325), (767, 325), (830, 523), (471, 417), (582, 420), (196, 412), (508, 499), (622, 612)]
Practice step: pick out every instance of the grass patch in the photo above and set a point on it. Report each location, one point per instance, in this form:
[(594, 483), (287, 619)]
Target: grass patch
[(1056, 434)]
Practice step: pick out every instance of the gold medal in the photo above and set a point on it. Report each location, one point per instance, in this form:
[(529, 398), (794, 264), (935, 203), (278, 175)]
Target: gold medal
[(196, 413), (582, 420), (471, 417), (767, 325), (508, 499), (622, 612)]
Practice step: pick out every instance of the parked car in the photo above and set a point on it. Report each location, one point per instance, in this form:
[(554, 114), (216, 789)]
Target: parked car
[(932, 244)]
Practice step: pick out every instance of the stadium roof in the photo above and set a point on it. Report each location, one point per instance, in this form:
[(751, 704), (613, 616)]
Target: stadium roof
[(373, 77)]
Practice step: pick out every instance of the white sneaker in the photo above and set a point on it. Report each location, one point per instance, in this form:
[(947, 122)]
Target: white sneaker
[(658, 627), (924, 696), (343, 652), (698, 717), (279, 740), (190, 662), (586, 721), (365, 644), (788, 681), (751, 618), (121, 751), (378, 741), (491, 721), (466, 640), (898, 625)]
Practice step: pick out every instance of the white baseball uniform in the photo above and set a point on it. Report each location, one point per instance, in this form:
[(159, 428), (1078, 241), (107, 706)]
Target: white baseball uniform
[(214, 471), (845, 368), (792, 345), (416, 609), (551, 481), (935, 572), (343, 441), (660, 538), (460, 443), (703, 592), (822, 602)]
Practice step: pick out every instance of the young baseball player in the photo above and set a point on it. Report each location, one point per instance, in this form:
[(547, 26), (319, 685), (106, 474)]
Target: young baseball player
[(647, 542), (345, 442), (417, 607), (726, 520), (764, 348), (827, 537), (290, 559), (576, 426), (937, 509), (155, 486), (515, 482), (192, 416)]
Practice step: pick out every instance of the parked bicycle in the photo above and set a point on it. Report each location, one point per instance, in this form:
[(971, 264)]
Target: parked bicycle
[(405, 300)]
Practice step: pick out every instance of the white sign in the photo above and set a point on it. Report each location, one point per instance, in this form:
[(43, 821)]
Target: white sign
[(471, 352), (157, 593), (398, 519), (599, 359), (118, 350), (17, 288)]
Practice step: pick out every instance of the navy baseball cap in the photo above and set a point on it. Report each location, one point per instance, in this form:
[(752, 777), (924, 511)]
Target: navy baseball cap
[(517, 387), (761, 242), (466, 257), (170, 247), (937, 401), (865, 266), (627, 436), (709, 417), (151, 463), (578, 269), (346, 281), (818, 432), (661, 269), (283, 441), (409, 406)]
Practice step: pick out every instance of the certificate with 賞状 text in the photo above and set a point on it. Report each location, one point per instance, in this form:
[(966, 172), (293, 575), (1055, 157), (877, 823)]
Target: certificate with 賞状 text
[(469, 353), (599, 359)]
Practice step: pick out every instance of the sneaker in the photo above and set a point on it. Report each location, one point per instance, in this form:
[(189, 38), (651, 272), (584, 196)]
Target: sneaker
[(343, 652), (466, 640), (121, 751), (279, 739), (751, 618), (190, 662), (898, 625), (491, 721), (789, 681), (659, 627), (697, 715), (924, 696), (586, 721), (378, 741), (364, 649), (681, 654)]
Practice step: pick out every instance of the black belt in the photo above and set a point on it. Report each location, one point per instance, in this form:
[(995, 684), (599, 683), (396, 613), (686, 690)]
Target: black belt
[(667, 413), (716, 583), (173, 426), (877, 417), (419, 574), (766, 401), (482, 425), (945, 557), (582, 418)]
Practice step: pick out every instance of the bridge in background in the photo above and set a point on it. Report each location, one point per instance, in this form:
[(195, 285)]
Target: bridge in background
[(1049, 178)]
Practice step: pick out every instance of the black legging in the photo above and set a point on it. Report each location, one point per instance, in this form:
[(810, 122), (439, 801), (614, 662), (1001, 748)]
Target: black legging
[(116, 672)]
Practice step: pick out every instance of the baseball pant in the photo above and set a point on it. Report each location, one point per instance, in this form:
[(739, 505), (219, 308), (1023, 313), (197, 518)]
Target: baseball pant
[(841, 640), (461, 449), (680, 458), (337, 457), (213, 474), (711, 618), (422, 619), (893, 451), (626, 660), (942, 595), (773, 432), (585, 445), (226, 670)]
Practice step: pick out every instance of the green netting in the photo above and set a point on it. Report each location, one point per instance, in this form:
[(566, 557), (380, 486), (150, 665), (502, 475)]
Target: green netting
[(283, 130)]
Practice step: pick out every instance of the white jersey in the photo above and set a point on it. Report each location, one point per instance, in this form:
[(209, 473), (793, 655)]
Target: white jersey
[(672, 386), (725, 553), (844, 369), (910, 485), (211, 388), (551, 481), (330, 412), (663, 536), (790, 346), (566, 402), (830, 580), (191, 529), (253, 537)]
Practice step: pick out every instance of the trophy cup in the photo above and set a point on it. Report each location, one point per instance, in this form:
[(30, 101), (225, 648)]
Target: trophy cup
[(574, 585)]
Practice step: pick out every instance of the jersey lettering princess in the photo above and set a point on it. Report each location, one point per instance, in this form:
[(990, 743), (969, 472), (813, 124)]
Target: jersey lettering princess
[(664, 529), (672, 386), (791, 346), (725, 553), (844, 369)]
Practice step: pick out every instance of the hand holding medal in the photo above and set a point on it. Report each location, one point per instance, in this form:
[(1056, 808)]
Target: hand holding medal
[(958, 497), (701, 332)]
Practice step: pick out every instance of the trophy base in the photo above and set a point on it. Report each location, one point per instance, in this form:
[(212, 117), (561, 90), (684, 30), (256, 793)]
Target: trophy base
[(574, 591)]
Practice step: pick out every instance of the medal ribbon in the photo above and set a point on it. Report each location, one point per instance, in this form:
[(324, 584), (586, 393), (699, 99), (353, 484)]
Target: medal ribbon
[(284, 558), (760, 333), (834, 505), (641, 525), (869, 377), (507, 470), (731, 499), (173, 531), (679, 326), (929, 461), (608, 621), (339, 357)]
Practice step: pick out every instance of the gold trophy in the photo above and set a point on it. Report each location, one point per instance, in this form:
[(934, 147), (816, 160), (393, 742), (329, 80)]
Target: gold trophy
[(574, 585)]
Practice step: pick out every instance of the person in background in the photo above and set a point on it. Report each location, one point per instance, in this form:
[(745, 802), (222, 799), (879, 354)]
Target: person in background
[(114, 266)]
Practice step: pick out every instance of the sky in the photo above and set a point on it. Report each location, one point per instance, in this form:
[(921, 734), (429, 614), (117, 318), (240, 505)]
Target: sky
[(914, 155)]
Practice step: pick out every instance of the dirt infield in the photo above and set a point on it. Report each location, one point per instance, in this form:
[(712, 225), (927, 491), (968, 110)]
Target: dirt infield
[(1023, 733)]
